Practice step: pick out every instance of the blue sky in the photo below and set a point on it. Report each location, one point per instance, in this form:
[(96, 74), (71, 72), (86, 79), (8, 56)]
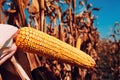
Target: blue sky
[(109, 13), (107, 16)]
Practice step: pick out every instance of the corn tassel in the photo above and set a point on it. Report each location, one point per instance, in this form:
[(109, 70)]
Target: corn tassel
[(34, 41)]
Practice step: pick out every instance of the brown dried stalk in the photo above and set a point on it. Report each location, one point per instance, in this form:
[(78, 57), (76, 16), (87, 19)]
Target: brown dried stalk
[(45, 26), (79, 43), (21, 14), (19, 69), (74, 9), (42, 16), (33, 61), (70, 20)]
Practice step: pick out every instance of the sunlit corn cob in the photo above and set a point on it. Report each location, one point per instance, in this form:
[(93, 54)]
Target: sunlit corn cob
[(34, 41)]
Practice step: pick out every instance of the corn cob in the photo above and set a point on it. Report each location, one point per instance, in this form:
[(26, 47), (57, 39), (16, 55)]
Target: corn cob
[(34, 41)]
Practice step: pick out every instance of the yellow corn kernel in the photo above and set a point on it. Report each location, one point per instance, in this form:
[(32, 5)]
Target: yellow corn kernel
[(35, 41)]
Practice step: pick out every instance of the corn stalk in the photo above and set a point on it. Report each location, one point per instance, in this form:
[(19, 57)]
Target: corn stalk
[(42, 16)]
